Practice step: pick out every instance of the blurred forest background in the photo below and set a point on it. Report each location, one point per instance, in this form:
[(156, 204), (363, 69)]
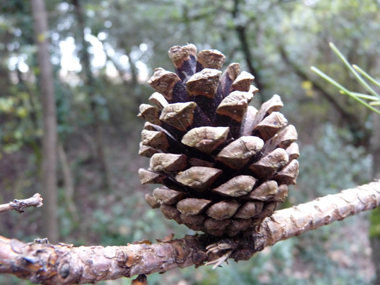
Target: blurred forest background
[(103, 52)]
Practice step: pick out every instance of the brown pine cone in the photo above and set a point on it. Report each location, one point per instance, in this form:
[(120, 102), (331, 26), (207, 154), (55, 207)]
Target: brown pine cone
[(224, 164)]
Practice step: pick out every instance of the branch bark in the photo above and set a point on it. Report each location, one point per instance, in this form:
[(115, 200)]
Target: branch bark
[(64, 264), (20, 205)]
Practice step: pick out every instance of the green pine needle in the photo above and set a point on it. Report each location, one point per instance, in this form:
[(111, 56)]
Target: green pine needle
[(356, 71)]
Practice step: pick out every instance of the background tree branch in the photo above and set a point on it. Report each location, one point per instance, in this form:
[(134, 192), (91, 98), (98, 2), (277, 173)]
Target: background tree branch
[(241, 33), (64, 264), (352, 120)]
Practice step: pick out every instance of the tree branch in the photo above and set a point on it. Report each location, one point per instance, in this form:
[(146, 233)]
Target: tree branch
[(20, 205), (65, 264), (241, 33), (355, 125), (68, 183), (320, 212), (317, 86)]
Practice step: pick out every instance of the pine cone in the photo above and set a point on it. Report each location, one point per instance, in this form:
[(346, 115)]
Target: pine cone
[(224, 165)]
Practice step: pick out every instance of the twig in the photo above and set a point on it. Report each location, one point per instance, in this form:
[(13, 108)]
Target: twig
[(65, 264), (20, 205)]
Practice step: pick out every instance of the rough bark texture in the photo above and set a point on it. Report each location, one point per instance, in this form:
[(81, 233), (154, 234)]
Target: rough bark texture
[(49, 141), (64, 264)]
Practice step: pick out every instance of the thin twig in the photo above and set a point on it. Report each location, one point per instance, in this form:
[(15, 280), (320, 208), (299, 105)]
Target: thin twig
[(20, 205)]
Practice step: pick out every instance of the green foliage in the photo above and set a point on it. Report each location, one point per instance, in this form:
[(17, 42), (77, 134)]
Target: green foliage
[(374, 229), (330, 165), (17, 129)]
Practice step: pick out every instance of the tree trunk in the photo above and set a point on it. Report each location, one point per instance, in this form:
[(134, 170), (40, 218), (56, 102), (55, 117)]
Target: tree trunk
[(375, 215), (90, 85), (375, 246), (49, 141)]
